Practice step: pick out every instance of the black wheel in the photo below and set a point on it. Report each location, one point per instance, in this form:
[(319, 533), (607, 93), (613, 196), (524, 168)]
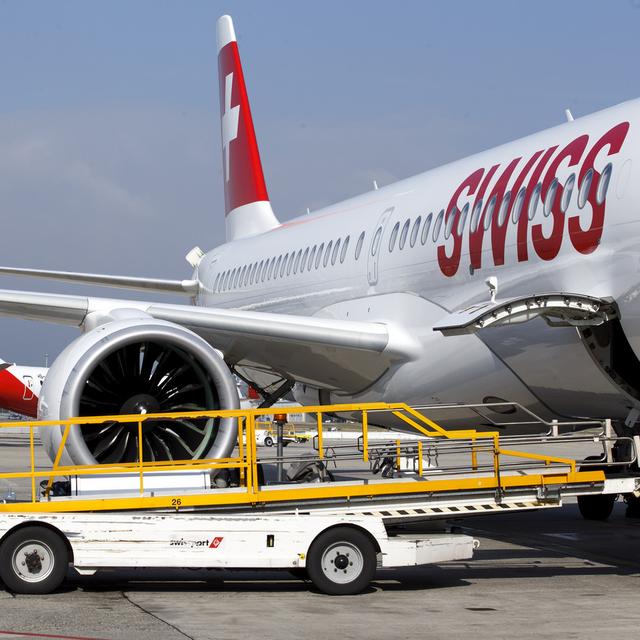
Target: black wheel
[(341, 561), (268, 441), (597, 507), (633, 506), (33, 560)]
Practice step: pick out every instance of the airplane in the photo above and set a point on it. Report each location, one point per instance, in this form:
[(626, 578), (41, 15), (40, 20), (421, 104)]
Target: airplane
[(509, 275), (20, 388)]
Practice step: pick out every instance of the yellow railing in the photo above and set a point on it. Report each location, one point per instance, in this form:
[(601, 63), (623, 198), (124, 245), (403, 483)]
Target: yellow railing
[(246, 462)]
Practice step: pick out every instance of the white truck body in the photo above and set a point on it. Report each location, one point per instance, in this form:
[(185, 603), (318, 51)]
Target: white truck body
[(152, 539)]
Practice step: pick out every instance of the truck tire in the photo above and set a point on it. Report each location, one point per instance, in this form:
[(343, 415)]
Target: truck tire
[(596, 507), (341, 561), (33, 560)]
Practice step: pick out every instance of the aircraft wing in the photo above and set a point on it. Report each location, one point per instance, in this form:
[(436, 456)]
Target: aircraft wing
[(189, 287), (335, 354)]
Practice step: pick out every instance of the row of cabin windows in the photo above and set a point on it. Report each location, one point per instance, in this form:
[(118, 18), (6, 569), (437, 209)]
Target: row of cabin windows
[(329, 253), (408, 235), (323, 255)]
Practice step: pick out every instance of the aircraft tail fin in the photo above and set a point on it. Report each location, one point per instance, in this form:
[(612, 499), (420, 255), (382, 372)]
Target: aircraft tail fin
[(247, 207)]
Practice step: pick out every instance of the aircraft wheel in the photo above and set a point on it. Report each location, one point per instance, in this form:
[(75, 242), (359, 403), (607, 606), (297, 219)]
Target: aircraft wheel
[(33, 560), (341, 561), (268, 441), (595, 507), (633, 506)]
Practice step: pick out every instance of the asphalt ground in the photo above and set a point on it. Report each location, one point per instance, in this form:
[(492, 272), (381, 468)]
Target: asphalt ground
[(542, 574)]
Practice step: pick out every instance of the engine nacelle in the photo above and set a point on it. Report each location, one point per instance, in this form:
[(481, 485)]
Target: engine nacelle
[(139, 365)]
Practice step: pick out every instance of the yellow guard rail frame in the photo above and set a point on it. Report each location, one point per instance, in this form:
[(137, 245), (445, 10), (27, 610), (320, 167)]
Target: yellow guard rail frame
[(250, 492)]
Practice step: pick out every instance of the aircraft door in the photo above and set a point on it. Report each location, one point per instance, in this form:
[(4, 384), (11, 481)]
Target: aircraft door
[(27, 393), (375, 248)]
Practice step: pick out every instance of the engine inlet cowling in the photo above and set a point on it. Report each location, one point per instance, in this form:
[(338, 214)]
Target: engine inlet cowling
[(139, 366)]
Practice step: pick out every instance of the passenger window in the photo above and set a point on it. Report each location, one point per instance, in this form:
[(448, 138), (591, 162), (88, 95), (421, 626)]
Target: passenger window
[(488, 214), (504, 208), (475, 215), (359, 245), (414, 231), (305, 255), (603, 184), (336, 249), (290, 262), (236, 278), (551, 196), (277, 269), (312, 255), (403, 235), (327, 253), (393, 236), (517, 207), (319, 256), (271, 265), (451, 218), (437, 225), (343, 253), (296, 264), (426, 228), (585, 187), (376, 241), (215, 284), (567, 192), (245, 280), (463, 218), (533, 203)]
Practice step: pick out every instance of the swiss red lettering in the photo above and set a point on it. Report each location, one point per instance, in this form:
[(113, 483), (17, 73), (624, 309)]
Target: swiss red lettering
[(476, 236), (523, 222), (449, 264), (586, 240), (548, 248)]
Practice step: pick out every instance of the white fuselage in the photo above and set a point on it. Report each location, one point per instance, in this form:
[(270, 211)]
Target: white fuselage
[(413, 279)]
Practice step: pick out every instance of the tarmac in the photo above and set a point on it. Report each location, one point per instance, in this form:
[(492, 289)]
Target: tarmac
[(543, 574)]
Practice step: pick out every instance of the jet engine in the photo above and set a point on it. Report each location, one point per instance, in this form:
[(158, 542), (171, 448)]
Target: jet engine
[(138, 365)]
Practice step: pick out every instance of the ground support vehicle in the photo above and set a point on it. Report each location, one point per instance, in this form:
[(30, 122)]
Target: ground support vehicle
[(336, 526), (340, 553)]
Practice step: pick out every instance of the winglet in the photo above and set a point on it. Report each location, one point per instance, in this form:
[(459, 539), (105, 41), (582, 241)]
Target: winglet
[(247, 207)]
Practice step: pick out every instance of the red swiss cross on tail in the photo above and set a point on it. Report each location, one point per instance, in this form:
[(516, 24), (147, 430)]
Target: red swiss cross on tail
[(247, 207)]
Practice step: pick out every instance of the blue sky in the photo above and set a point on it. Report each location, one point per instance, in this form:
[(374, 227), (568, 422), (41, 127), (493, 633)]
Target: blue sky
[(109, 132)]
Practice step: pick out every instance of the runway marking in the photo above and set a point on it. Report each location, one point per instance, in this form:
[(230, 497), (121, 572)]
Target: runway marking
[(25, 634), (566, 536)]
